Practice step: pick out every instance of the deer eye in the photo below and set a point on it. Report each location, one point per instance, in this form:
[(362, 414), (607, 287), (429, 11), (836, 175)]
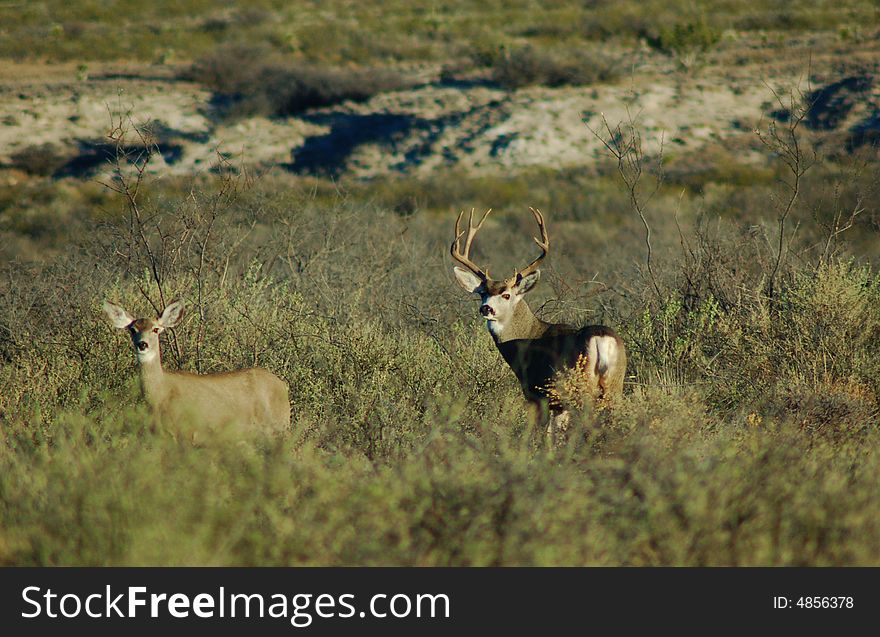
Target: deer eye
[(156, 330), (505, 296)]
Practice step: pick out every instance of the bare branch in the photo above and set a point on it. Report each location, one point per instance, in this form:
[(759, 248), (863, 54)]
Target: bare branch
[(624, 143), (786, 145)]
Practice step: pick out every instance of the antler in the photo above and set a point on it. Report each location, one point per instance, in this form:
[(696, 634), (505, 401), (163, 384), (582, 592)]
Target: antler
[(543, 243), (464, 257)]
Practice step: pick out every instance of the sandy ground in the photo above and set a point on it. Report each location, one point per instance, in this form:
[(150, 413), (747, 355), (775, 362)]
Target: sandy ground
[(474, 127)]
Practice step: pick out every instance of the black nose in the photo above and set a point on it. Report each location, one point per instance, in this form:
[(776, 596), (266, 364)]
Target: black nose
[(142, 347), (485, 310)]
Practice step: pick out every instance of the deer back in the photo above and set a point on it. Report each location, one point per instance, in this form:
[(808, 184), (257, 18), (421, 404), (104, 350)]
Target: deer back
[(563, 353), (254, 399)]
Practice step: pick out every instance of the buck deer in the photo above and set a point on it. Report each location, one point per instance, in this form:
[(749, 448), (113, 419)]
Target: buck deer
[(557, 365), (254, 399)]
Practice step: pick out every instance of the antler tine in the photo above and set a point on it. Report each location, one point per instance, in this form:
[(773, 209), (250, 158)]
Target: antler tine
[(474, 228), (464, 257), (543, 243)]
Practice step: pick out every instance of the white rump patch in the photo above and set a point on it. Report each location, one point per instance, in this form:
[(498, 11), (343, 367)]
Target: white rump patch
[(604, 348)]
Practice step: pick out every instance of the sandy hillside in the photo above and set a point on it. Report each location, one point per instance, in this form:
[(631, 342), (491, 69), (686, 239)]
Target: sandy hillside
[(474, 125)]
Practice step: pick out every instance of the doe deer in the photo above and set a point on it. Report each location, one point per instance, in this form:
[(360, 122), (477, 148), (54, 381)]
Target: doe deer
[(255, 399), (557, 365)]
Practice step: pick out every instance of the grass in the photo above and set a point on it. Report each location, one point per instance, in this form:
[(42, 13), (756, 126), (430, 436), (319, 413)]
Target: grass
[(339, 33)]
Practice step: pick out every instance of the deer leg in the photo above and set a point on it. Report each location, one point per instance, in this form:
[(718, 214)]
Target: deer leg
[(558, 425), (542, 417), (603, 390), (535, 413)]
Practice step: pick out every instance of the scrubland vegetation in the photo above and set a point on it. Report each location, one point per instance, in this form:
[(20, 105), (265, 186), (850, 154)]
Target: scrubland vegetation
[(341, 32), (749, 430), (748, 436)]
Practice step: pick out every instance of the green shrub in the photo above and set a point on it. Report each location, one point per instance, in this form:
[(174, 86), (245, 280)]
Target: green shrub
[(250, 80), (819, 341), (527, 66), (42, 159), (686, 37)]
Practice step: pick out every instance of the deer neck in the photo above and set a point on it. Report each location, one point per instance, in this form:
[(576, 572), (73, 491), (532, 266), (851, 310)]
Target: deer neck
[(152, 380), (522, 325)]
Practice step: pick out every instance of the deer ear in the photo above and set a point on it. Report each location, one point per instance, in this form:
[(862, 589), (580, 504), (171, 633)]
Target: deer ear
[(118, 316), (528, 282), (468, 280), (172, 315)]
